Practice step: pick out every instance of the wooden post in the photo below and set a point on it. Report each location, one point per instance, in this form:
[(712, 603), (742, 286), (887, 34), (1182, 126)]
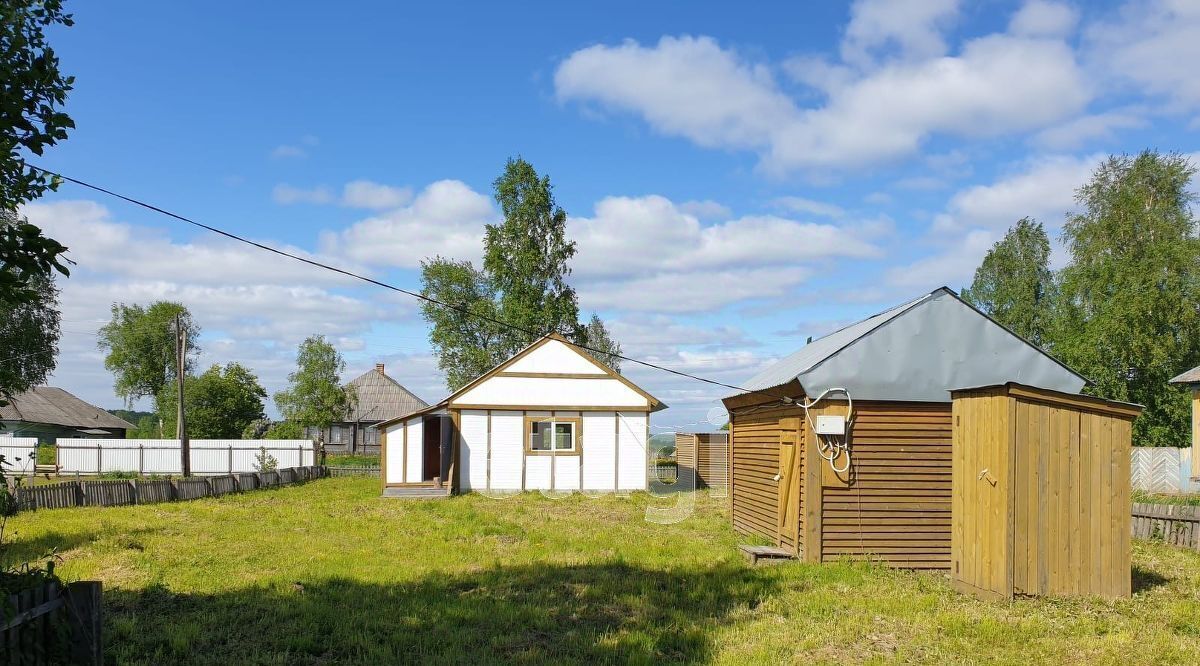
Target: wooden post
[(133, 491), (141, 459), (814, 465), (99, 459), (231, 458), (1196, 433), (84, 620), (185, 449)]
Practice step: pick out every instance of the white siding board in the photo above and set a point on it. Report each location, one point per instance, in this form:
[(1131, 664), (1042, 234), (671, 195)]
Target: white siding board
[(599, 451), (537, 473), (395, 453), (554, 356), (632, 463), (416, 431), (540, 392), (507, 429), (566, 473), (472, 423)]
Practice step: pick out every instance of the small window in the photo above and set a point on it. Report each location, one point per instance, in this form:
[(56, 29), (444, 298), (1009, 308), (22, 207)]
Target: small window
[(552, 435)]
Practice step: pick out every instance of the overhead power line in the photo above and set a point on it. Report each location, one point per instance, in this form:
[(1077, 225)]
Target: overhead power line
[(385, 285)]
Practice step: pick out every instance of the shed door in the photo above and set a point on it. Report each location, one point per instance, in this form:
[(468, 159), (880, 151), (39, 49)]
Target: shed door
[(789, 484)]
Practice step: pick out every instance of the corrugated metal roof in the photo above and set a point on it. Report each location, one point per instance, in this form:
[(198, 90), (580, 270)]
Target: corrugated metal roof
[(1190, 377), (918, 351), (811, 354), (47, 404)]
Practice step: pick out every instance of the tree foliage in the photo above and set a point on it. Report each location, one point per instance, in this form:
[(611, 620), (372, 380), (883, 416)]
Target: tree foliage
[(140, 346), (315, 396), (597, 337), (1014, 284), (1129, 313), (31, 98), (29, 334), (523, 283), (219, 403)]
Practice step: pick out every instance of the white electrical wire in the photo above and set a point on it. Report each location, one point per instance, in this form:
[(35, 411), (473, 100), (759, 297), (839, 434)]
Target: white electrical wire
[(835, 449)]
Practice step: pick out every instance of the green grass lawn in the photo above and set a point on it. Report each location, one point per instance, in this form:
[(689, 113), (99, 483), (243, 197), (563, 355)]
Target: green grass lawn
[(1166, 498), (335, 459), (329, 572)]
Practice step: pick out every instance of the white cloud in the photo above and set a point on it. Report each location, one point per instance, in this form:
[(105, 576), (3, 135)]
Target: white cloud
[(1044, 18), (287, 195), (802, 205), (376, 196), (954, 266), (645, 235), (913, 27), (691, 87), (1077, 132), (1044, 189), (694, 291), (446, 218), (287, 151), (705, 209), (1152, 45)]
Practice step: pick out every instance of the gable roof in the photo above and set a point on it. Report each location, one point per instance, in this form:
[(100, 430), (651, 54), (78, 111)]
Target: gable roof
[(1190, 377), (654, 403), (54, 406), (917, 351), (380, 397)]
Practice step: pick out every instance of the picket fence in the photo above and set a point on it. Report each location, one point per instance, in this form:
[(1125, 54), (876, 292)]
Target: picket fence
[(120, 492), (1171, 523), (1163, 470), (20, 454), (162, 456)]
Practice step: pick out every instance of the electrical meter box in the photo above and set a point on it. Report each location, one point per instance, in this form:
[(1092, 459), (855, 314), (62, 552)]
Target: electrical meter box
[(831, 424)]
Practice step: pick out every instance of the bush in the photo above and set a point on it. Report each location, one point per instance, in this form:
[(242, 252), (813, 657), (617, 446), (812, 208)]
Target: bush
[(265, 462)]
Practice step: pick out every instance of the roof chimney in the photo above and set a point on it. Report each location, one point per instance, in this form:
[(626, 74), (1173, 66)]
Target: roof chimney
[(379, 369)]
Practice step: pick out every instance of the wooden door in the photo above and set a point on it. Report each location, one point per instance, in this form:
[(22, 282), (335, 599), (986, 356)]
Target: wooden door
[(788, 532)]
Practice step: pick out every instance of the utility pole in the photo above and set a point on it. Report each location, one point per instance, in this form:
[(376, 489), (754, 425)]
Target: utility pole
[(185, 449)]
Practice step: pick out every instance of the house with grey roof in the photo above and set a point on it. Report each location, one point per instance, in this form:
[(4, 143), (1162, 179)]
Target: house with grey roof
[(377, 398), (47, 412)]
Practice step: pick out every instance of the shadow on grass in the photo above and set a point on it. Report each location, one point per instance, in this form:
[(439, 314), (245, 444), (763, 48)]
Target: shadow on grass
[(18, 549), (1145, 579), (596, 614)]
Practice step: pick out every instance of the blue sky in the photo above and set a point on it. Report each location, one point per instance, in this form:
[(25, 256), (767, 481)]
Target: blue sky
[(737, 178)]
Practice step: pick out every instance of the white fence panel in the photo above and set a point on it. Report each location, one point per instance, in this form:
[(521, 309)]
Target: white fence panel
[(162, 456), (20, 454), (1163, 470)]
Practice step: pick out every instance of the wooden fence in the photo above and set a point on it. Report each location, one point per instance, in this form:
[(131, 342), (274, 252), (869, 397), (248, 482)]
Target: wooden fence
[(1174, 524), (50, 624), (666, 473), (353, 470), (149, 491), (1163, 470)]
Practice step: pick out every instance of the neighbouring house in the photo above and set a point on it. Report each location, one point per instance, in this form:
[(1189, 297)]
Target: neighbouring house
[(549, 418), (378, 398), (1191, 379), (893, 500), (48, 413)]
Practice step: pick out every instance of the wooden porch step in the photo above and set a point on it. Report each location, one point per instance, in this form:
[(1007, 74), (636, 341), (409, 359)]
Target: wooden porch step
[(756, 555), (416, 492)]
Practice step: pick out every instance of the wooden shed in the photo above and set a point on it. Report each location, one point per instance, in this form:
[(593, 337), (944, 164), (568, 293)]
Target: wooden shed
[(550, 418), (703, 456), (891, 375), (1042, 493)]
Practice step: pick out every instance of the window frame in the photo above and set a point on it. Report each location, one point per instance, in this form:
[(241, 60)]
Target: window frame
[(577, 435)]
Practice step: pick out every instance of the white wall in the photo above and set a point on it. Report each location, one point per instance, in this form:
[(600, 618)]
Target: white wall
[(395, 453), (554, 356), (473, 424), (542, 392), (599, 451), (162, 456), (416, 449), (507, 449), (632, 463)]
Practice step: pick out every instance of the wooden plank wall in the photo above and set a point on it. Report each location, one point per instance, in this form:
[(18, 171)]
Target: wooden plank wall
[(706, 453), (896, 507), (754, 464), (685, 456), (1071, 532)]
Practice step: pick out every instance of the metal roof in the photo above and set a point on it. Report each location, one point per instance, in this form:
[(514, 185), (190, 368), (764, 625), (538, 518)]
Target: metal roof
[(1190, 377), (918, 351), (379, 397), (47, 404)]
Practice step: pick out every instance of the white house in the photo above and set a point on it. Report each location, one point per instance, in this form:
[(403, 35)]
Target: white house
[(549, 418)]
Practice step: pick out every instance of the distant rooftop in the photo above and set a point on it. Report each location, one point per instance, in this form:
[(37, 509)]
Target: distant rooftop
[(380, 397), (47, 404)]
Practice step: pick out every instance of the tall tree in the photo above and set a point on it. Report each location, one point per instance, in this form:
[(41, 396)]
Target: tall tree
[(596, 336), (522, 285), (525, 257), (31, 120), (29, 332), (220, 402), (140, 342), (315, 396), (1014, 284), (1129, 311)]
